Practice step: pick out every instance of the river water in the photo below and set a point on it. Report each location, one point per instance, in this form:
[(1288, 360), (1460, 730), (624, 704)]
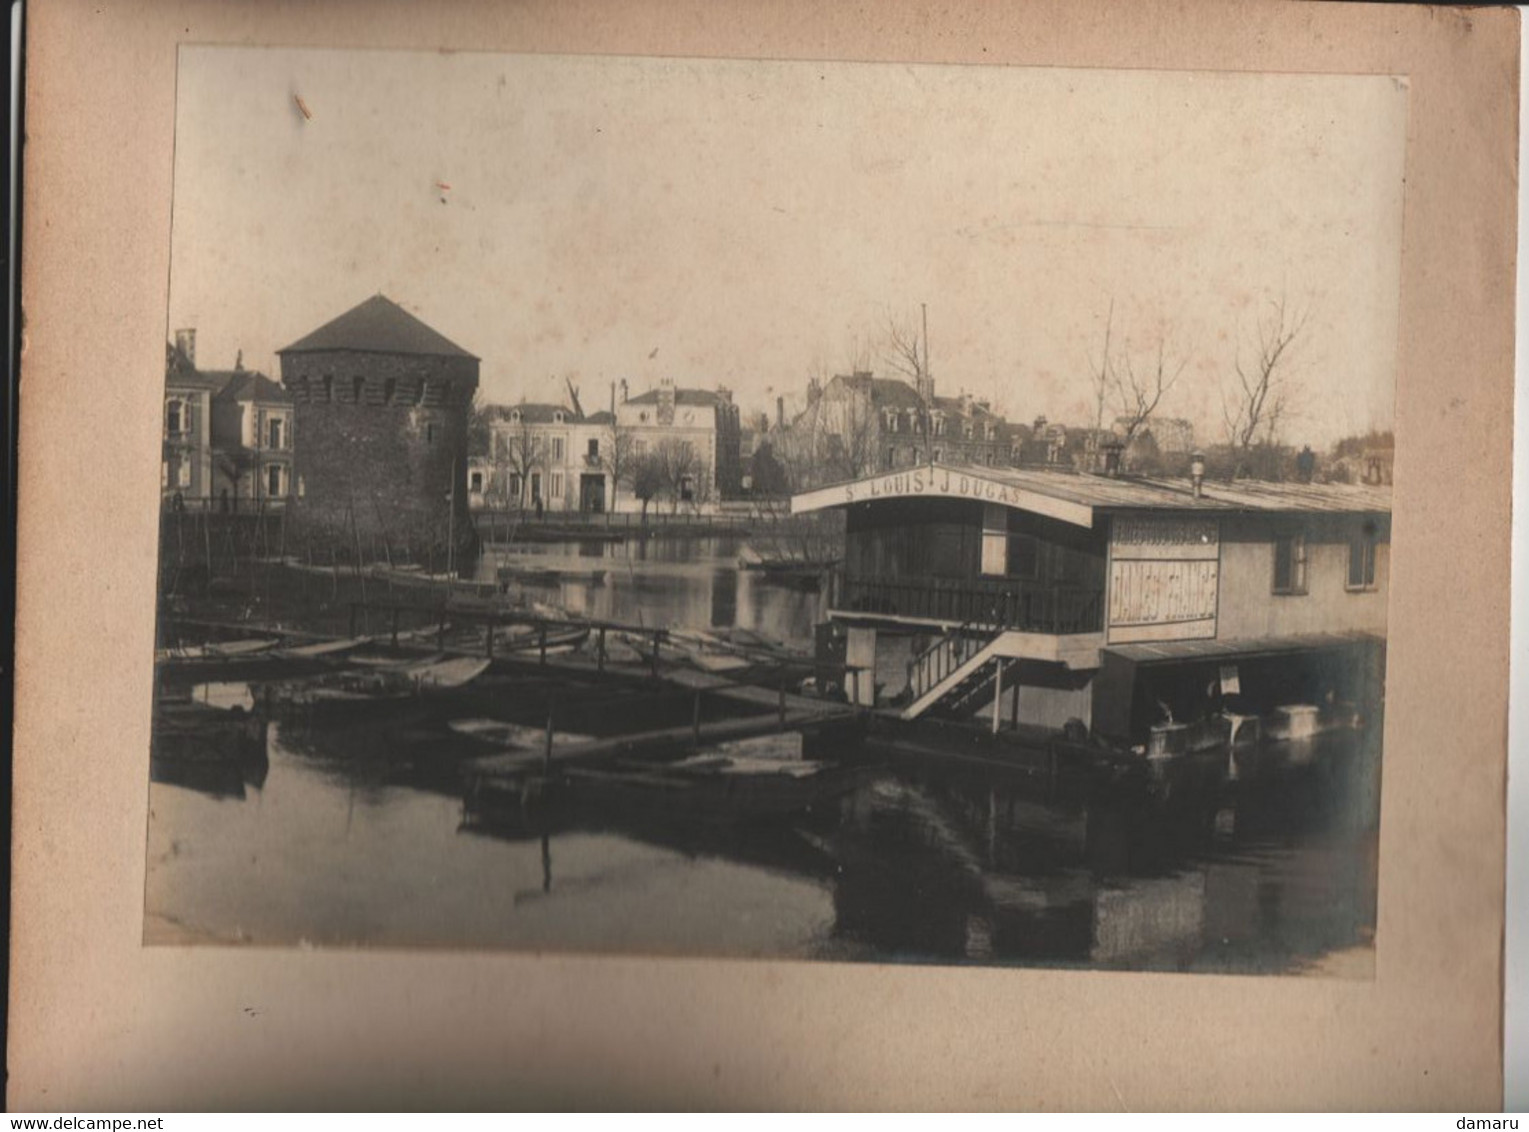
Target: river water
[(357, 836)]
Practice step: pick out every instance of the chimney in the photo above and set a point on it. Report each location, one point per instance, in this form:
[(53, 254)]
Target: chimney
[(1112, 450), (623, 391), (239, 361), (780, 412), (613, 398), (666, 401), (1197, 471), (185, 342)]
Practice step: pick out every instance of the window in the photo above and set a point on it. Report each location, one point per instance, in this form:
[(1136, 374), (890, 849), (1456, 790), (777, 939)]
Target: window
[(174, 418), (891, 457), (430, 434), (273, 481), (389, 390), (936, 456), (515, 485), (536, 486), (1290, 564), (358, 386), (594, 448), (557, 485), (1361, 559), (687, 489), (183, 475), (328, 387), (557, 449), (273, 430), (1024, 557), (557, 416), (475, 483)]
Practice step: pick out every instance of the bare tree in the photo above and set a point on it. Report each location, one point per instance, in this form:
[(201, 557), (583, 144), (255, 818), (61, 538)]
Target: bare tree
[(1258, 397), (676, 465), (645, 477), (618, 454), (907, 353), (1139, 395), (518, 452)]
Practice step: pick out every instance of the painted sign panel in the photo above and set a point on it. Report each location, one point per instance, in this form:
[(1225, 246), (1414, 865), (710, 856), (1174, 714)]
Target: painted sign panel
[(1164, 576), (940, 481)]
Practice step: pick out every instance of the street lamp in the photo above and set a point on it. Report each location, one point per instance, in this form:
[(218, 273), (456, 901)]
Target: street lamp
[(1197, 471)]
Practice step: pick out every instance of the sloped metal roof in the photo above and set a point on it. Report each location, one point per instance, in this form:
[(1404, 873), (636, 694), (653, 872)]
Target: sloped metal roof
[(1080, 494), (1253, 646), (378, 326)]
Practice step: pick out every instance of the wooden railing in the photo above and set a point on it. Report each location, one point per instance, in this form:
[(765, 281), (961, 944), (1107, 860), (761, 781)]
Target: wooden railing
[(999, 603), (940, 659)]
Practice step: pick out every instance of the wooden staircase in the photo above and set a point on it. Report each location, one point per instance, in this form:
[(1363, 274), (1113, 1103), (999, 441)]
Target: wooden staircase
[(953, 669)]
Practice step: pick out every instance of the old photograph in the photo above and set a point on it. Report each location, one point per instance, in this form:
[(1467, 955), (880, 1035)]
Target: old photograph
[(854, 512)]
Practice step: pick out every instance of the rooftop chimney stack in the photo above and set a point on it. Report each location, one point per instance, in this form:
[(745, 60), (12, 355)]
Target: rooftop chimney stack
[(780, 412)]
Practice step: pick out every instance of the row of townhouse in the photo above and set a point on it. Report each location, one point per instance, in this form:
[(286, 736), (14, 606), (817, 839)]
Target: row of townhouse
[(228, 434), (667, 447), (858, 424)]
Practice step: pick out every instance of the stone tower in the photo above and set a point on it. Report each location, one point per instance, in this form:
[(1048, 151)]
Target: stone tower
[(380, 433)]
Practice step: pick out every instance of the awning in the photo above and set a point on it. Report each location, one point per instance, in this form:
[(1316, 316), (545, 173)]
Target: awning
[(1169, 651)]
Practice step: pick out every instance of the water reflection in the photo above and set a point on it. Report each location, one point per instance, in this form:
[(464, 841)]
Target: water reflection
[(358, 836), (662, 582)]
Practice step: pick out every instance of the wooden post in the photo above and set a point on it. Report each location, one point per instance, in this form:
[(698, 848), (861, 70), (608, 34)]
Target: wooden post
[(547, 751), (695, 718), (997, 693), (600, 654), (1014, 715)]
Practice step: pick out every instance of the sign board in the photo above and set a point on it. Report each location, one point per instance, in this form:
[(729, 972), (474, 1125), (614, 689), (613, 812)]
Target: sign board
[(1164, 578)]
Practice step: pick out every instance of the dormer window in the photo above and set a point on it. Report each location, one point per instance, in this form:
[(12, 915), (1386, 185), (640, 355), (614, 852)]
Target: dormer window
[(514, 416), (557, 416)]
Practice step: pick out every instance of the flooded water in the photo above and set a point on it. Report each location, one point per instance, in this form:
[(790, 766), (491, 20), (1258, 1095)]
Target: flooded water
[(659, 582), (357, 834)]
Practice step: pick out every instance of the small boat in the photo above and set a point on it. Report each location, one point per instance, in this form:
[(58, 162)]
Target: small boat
[(550, 575), (531, 638), (715, 788), (215, 650), (211, 750), (386, 685), (319, 649)]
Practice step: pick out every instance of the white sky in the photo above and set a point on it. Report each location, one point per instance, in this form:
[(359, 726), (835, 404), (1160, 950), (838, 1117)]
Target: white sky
[(752, 221)]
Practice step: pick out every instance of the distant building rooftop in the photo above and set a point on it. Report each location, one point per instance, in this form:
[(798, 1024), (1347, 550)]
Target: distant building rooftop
[(244, 384), (378, 326), (703, 397)]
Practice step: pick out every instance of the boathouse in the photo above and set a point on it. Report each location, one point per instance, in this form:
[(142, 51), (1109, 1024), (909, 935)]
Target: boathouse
[(1113, 603)]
